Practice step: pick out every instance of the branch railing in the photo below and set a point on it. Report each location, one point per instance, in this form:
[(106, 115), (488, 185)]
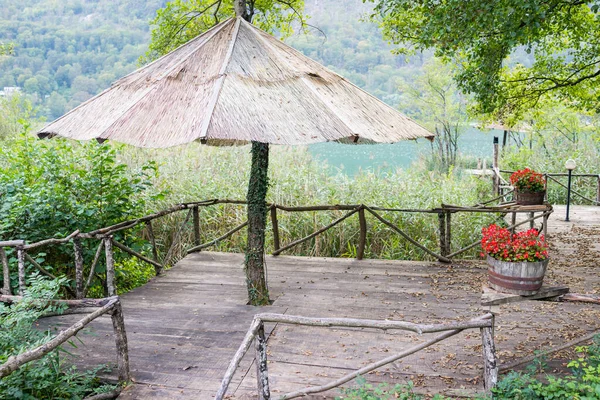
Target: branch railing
[(107, 242), (256, 335), (552, 177), (109, 305)]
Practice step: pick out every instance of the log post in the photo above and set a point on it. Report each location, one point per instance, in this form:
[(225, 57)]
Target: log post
[(258, 292), (490, 366), (150, 230), (448, 232), (275, 225), (6, 272), (545, 223), (21, 265), (546, 187), (532, 222), (196, 218), (121, 342), (78, 250), (513, 220), (110, 266), (496, 169), (262, 373), (362, 238), (442, 222), (598, 190)]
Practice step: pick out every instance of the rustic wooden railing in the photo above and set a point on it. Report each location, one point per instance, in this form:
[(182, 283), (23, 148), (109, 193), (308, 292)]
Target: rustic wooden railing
[(256, 334), (107, 241), (109, 305), (552, 177)]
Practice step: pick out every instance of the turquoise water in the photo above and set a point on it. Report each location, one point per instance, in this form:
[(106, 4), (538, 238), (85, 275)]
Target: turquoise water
[(351, 158)]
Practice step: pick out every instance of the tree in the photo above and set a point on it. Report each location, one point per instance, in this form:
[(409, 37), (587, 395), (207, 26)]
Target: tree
[(6, 49), (182, 20), (438, 104), (481, 37)]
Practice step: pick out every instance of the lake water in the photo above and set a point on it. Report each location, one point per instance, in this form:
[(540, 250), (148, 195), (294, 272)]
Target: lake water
[(351, 158)]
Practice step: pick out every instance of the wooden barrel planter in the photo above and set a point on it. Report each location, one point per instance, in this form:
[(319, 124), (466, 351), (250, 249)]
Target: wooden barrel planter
[(523, 278), (529, 198)]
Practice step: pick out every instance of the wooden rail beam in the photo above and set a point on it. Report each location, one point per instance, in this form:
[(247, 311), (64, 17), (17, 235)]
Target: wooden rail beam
[(217, 240), (362, 238), (312, 235), (6, 272)]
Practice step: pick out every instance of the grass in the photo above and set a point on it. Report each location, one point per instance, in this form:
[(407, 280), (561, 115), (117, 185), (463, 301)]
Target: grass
[(194, 172)]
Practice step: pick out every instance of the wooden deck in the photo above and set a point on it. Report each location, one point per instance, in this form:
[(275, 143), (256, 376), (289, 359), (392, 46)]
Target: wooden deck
[(184, 326)]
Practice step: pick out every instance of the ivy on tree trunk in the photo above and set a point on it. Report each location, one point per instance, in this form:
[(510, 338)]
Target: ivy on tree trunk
[(258, 292)]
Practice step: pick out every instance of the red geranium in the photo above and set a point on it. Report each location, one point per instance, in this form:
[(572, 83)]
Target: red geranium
[(501, 244), (527, 180)]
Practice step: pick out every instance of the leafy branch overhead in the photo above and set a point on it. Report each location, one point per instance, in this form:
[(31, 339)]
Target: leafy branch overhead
[(492, 43), (181, 20)]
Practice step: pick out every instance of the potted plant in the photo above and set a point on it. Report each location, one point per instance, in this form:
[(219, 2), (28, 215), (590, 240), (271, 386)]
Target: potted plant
[(530, 187), (516, 262)]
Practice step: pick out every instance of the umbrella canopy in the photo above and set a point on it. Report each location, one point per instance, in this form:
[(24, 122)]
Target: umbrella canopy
[(234, 84)]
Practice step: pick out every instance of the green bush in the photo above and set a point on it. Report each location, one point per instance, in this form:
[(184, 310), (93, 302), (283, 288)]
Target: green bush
[(583, 383), (48, 377), (367, 391), (53, 187)]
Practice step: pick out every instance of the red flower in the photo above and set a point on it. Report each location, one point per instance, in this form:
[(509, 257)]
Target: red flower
[(500, 244)]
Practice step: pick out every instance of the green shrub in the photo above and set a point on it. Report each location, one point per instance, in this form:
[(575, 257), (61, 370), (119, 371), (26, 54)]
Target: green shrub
[(48, 377), (367, 391), (583, 383), (53, 187)]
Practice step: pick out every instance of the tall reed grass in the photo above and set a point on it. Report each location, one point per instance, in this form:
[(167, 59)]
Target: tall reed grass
[(195, 172)]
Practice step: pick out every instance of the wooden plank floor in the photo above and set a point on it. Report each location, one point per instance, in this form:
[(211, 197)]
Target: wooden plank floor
[(184, 326)]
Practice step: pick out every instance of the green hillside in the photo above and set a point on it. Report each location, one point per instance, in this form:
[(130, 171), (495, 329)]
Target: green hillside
[(67, 51)]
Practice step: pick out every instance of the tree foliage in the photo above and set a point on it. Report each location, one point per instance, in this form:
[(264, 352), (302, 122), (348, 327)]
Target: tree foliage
[(484, 38), (181, 20)]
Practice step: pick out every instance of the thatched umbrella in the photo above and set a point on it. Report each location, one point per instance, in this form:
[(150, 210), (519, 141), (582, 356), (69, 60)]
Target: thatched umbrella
[(236, 84)]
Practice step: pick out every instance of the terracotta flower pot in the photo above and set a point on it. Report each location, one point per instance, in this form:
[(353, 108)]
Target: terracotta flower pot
[(523, 278), (529, 198)]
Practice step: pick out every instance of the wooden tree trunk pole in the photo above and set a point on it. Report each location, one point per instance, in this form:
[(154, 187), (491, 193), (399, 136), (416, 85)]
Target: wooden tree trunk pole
[(490, 366), (362, 239), (496, 169), (78, 250), (257, 220), (532, 222), (6, 273), (442, 229), (448, 232), (196, 217), (545, 224), (513, 221), (152, 238), (121, 342), (262, 373), (598, 190), (21, 266), (275, 224), (110, 266)]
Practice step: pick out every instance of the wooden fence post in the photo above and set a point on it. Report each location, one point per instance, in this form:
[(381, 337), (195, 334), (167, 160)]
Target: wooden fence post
[(598, 190), (496, 168), (6, 272), (490, 366), (110, 265), (362, 238), (152, 241), (121, 342), (78, 267), (262, 373), (442, 222), (275, 225), (448, 232), (21, 265), (196, 218)]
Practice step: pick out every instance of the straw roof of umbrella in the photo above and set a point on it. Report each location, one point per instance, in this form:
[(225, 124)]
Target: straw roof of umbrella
[(234, 84)]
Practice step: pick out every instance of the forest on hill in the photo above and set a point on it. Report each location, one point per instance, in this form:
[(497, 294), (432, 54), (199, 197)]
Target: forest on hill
[(65, 52)]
